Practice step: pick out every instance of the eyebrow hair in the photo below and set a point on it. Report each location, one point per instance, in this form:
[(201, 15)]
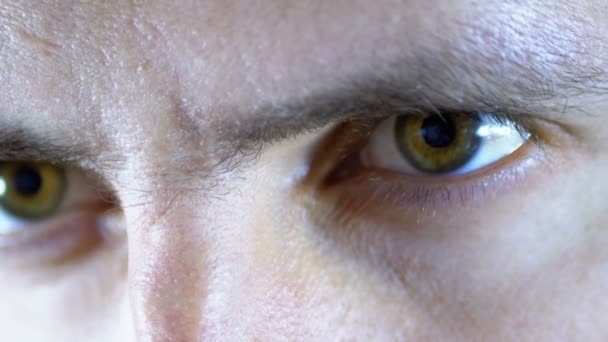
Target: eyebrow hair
[(539, 75), (18, 144), (370, 97)]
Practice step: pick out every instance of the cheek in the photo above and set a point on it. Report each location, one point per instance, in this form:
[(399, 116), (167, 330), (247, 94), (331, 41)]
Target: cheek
[(522, 264), (85, 297), (527, 265), (299, 285), (295, 282)]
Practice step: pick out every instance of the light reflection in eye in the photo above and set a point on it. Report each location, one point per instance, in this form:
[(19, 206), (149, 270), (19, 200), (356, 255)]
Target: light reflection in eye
[(490, 130), (499, 139)]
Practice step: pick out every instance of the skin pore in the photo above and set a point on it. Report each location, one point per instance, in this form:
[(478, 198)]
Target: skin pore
[(205, 132)]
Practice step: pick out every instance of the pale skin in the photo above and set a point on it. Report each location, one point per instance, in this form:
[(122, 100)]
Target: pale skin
[(216, 224)]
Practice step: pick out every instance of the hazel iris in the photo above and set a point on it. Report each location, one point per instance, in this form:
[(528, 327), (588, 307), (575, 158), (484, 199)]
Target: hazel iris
[(438, 143), (31, 190)]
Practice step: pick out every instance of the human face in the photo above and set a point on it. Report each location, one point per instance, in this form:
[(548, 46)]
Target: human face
[(256, 170)]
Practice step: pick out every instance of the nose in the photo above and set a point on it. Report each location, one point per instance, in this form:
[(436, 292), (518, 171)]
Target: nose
[(217, 263), (168, 271), (207, 269)]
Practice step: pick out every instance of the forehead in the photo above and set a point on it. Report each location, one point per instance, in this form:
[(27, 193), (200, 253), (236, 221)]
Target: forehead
[(149, 68)]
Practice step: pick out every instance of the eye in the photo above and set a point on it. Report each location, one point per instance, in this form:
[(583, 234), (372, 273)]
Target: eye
[(422, 164), (48, 212), (449, 144)]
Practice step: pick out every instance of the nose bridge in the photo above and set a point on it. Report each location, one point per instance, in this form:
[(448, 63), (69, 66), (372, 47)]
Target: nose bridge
[(206, 265), (168, 270), (171, 199)]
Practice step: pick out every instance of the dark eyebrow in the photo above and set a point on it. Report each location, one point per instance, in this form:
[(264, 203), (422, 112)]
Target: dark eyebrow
[(17, 144), (544, 78), (378, 96)]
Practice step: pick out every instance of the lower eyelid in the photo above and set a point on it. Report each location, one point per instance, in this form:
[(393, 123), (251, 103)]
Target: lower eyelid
[(52, 242), (393, 196)]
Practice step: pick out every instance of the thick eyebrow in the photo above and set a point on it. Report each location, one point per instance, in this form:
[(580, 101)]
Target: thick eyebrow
[(377, 96), (18, 144), (546, 78)]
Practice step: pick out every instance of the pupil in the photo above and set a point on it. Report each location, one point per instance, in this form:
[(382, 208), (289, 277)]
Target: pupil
[(27, 181), (438, 132)]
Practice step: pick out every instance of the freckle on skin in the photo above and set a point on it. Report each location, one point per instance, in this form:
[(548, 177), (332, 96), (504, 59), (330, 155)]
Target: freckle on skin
[(46, 46)]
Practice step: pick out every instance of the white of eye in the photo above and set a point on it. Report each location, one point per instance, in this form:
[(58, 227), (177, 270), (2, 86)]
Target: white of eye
[(8, 223), (497, 140)]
